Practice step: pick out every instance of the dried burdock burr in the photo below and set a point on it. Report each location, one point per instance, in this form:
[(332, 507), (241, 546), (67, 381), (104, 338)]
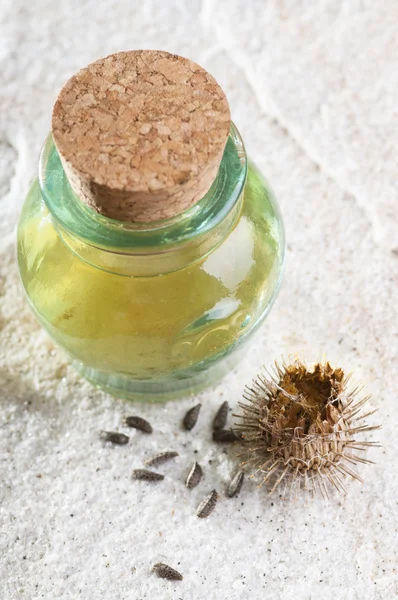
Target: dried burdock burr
[(301, 426)]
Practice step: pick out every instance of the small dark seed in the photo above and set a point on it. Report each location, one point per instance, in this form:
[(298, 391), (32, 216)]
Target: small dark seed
[(220, 420), (207, 505), (145, 475), (226, 435), (235, 485), (114, 437), (191, 417), (139, 423), (160, 458), (166, 572), (194, 476)]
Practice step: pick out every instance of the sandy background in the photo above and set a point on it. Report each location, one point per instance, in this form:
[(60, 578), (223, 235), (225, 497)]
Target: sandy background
[(313, 89)]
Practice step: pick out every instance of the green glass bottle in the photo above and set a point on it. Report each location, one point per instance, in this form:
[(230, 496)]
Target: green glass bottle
[(152, 308)]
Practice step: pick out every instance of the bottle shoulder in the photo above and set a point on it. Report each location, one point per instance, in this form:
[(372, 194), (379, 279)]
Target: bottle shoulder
[(258, 226)]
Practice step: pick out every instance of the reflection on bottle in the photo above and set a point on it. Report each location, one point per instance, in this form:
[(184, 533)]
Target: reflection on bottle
[(231, 262)]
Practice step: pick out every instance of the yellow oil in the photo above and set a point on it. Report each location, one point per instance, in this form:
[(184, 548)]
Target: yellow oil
[(152, 327)]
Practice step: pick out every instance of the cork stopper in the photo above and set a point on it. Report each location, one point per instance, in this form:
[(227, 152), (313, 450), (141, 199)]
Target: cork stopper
[(141, 134)]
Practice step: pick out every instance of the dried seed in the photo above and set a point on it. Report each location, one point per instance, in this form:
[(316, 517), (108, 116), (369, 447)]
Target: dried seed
[(139, 423), (191, 417), (207, 505), (115, 437), (166, 572), (220, 420), (300, 426), (235, 485), (145, 475), (160, 458), (226, 435), (194, 476)]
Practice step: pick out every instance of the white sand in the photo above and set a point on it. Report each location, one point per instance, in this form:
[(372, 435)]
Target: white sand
[(313, 89)]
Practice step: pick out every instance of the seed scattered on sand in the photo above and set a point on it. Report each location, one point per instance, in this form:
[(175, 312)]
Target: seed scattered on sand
[(114, 437), (235, 485), (191, 417), (194, 476), (207, 505), (166, 572), (226, 436), (160, 458), (138, 423), (220, 420), (145, 475)]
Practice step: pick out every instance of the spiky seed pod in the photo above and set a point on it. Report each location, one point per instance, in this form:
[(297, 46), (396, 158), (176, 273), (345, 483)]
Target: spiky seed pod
[(301, 425)]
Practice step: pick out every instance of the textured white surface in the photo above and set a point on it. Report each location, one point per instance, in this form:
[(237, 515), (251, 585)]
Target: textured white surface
[(313, 89)]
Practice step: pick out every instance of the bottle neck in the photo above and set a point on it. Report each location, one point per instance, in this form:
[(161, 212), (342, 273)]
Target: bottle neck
[(146, 249)]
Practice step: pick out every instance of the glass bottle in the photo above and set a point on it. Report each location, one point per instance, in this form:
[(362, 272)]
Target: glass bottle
[(156, 309)]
